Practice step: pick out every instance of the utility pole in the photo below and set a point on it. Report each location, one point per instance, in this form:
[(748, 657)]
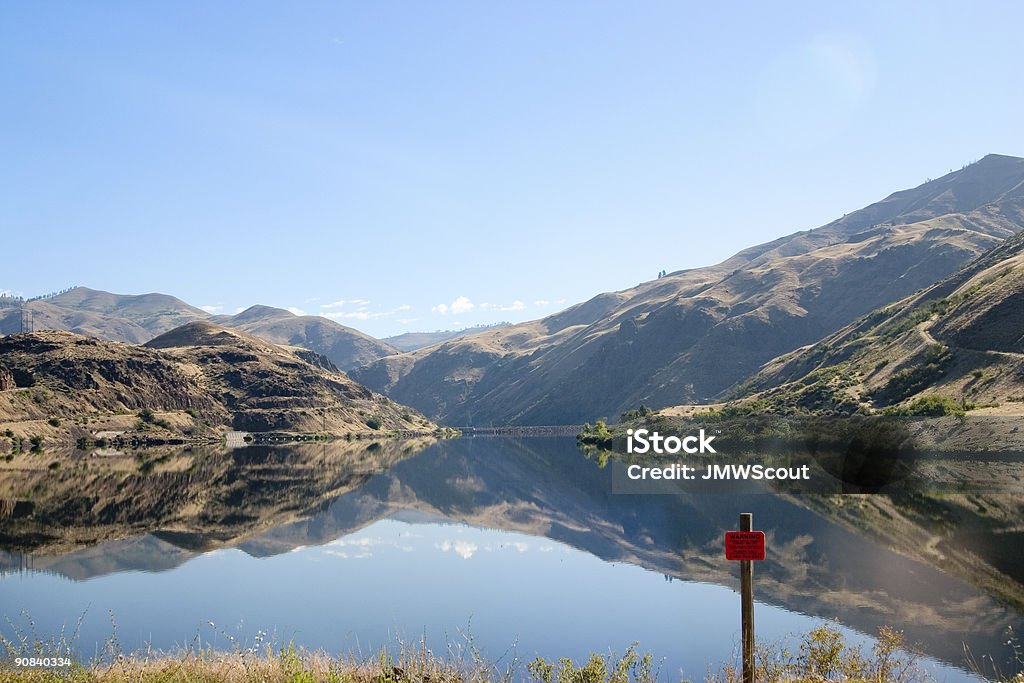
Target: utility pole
[(27, 322)]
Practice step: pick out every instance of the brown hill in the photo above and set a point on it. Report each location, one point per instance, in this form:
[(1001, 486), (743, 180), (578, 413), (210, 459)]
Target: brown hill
[(961, 339), (346, 347), (156, 313), (119, 317), (692, 335), (199, 377)]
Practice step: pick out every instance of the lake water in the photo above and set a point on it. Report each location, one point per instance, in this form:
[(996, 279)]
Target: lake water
[(511, 547)]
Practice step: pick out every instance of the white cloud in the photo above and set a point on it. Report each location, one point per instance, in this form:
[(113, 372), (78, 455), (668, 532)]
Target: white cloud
[(341, 303), (362, 313), (361, 548), (212, 309), (541, 302), (461, 305), (351, 315), (516, 305), (295, 311), (239, 310), (363, 542), (463, 549)]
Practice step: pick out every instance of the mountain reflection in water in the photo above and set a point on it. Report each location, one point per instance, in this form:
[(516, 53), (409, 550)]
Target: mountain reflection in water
[(516, 540)]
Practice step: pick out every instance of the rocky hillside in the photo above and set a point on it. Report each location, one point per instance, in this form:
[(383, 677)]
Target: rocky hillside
[(194, 379), (692, 335), (961, 340)]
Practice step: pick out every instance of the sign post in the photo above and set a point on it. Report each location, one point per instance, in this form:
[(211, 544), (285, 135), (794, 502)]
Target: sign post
[(746, 545)]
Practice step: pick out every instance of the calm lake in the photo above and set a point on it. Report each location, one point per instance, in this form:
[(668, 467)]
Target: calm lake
[(512, 548)]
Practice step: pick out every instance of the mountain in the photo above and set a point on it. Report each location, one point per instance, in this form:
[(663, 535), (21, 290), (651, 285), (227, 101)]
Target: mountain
[(347, 348), (119, 317), (138, 318), (961, 340), (195, 379), (692, 335), (411, 341)]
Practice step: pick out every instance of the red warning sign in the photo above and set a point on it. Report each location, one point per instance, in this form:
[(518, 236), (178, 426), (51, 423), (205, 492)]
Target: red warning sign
[(744, 545)]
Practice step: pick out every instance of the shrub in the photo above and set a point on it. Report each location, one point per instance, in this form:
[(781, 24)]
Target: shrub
[(929, 406), (909, 381), (148, 417), (642, 411), (599, 434), (373, 423), (53, 422)]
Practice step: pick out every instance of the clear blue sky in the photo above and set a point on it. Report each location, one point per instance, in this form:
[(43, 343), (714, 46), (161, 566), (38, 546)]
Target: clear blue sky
[(378, 160)]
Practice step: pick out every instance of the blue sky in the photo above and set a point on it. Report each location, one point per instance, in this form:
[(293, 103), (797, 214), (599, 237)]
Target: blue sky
[(420, 166)]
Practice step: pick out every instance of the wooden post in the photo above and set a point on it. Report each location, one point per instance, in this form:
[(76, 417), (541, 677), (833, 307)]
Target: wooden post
[(747, 604)]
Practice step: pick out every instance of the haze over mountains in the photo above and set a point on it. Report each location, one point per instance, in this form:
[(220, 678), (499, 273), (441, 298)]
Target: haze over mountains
[(691, 336)]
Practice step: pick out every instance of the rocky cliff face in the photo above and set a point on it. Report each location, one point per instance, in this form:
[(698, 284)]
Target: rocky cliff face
[(6, 380)]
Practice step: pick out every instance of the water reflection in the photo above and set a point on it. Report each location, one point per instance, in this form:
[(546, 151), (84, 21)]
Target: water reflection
[(308, 505)]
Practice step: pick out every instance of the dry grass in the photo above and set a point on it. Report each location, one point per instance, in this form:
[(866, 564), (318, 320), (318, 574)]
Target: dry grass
[(821, 656)]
